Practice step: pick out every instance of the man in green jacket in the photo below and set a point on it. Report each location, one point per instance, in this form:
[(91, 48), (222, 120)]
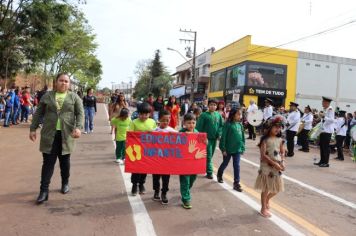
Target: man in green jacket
[(210, 122), (63, 114)]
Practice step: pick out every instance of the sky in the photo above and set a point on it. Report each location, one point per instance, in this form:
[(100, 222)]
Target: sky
[(131, 30)]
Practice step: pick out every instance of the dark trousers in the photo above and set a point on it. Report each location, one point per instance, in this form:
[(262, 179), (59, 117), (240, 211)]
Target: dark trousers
[(138, 178), (251, 131), (303, 137), (339, 145), (347, 141), (290, 141), (324, 148), (49, 161), (236, 163), (156, 182)]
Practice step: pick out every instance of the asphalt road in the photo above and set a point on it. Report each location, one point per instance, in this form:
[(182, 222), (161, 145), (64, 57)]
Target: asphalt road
[(317, 201)]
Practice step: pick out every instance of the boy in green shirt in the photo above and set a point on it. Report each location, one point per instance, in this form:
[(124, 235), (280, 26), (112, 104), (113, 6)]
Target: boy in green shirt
[(186, 181), (142, 123), (121, 124), (210, 122)]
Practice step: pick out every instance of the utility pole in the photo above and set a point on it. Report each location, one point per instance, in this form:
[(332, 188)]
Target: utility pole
[(193, 64)]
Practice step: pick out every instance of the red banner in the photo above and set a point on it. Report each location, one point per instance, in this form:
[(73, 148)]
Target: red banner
[(165, 153)]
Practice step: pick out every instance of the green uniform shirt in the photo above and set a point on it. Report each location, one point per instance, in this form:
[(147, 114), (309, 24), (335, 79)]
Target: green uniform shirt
[(121, 127), (183, 130), (210, 123), (233, 138), (139, 125), (59, 103)]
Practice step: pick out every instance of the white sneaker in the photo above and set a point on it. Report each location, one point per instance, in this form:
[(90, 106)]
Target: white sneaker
[(117, 161), (91, 131), (85, 132), (121, 162)]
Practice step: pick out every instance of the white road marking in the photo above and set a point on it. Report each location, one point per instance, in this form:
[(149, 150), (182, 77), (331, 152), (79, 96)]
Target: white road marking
[(141, 218), (307, 186), (288, 228)]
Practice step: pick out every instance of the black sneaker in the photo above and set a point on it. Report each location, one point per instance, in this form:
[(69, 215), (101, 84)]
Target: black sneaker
[(220, 179), (324, 165), (142, 189), (156, 196), (164, 199), (237, 187), (209, 176), (134, 190)]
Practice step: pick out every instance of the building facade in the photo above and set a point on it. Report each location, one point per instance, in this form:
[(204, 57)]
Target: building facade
[(242, 71), (183, 84)]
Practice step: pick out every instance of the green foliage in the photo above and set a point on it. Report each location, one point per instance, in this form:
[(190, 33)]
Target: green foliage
[(50, 36), (152, 77)]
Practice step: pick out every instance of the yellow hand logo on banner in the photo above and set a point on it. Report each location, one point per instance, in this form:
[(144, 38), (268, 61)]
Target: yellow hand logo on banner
[(130, 152)]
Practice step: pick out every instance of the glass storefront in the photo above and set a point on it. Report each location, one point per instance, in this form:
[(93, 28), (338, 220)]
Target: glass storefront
[(217, 81)]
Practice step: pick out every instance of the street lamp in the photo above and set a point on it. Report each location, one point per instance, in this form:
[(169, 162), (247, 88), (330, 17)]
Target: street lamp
[(193, 71), (172, 49)]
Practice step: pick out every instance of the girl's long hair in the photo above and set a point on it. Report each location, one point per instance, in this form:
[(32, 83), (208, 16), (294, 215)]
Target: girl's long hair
[(232, 113), (267, 134), (170, 103)]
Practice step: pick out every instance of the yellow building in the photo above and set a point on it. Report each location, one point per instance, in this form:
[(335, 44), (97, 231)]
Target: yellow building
[(242, 71)]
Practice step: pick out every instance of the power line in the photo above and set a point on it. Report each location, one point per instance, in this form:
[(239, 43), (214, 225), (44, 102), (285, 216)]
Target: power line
[(331, 29)]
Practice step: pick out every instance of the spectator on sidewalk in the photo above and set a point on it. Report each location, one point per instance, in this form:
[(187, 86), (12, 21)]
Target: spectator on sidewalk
[(8, 109), (184, 108), (89, 103), (158, 106), (173, 108), (63, 115), (26, 104), (16, 108)]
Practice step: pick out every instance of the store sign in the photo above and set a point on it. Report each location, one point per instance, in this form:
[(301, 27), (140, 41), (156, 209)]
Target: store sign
[(166, 153), (232, 91), (268, 92)]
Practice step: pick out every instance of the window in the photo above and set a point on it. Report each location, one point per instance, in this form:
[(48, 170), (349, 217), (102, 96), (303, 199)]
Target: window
[(317, 65), (235, 76), (308, 64), (217, 81), (205, 70), (350, 69), (266, 76), (327, 66)]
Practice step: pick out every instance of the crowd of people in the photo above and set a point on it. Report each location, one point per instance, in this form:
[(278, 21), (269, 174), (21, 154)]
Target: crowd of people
[(18, 104), (281, 129), (224, 122)]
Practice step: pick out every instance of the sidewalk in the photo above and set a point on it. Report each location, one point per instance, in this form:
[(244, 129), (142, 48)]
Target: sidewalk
[(96, 205)]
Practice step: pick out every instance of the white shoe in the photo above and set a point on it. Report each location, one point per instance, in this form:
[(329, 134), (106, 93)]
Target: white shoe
[(117, 161), (121, 162), (91, 131), (85, 132)]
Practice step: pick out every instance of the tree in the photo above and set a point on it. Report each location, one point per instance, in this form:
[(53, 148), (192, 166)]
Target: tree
[(49, 34), (152, 77)]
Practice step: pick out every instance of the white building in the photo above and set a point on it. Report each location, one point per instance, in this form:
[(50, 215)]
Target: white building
[(323, 75), (183, 84)]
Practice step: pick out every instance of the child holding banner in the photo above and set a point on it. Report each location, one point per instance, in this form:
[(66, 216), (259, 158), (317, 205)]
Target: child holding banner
[(142, 123), (121, 123), (232, 145), (186, 181), (164, 118), (210, 122)]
